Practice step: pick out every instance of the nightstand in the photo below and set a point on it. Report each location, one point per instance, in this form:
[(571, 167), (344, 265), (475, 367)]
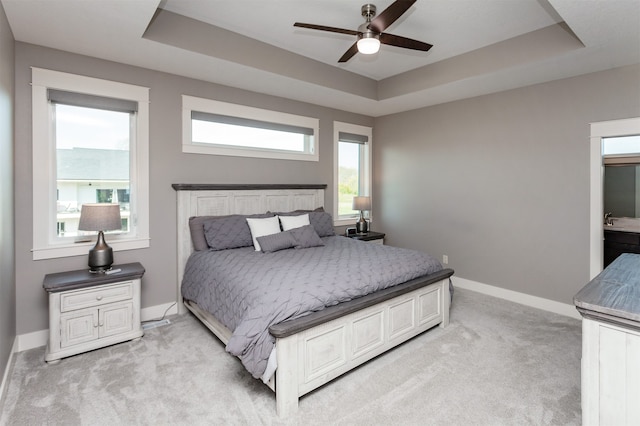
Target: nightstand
[(371, 236), (89, 311)]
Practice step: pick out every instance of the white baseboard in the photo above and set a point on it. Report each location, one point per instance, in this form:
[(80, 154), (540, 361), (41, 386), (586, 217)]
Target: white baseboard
[(31, 340), (7, 371), (158, 311), (521, 298), (39, 338)]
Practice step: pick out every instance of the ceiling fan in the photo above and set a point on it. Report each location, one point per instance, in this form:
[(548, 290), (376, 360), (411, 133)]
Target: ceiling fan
[(370, 34)]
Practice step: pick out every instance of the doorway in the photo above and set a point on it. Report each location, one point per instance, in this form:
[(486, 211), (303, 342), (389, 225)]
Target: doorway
[(600, 130)]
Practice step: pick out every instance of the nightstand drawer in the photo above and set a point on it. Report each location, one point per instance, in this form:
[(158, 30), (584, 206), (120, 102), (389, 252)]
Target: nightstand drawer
[(93, 297)]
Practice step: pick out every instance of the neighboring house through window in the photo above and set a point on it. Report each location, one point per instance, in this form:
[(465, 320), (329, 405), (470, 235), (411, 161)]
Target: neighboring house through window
[(352, 169), (90, 138)]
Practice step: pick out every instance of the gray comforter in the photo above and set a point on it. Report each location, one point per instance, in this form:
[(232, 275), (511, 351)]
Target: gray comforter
[(249, 291)]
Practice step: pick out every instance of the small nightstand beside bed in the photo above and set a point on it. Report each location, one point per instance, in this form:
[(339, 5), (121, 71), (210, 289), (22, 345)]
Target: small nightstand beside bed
[(311, 303)]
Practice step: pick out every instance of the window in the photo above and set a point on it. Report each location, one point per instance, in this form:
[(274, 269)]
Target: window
[(90, 137), (352, 169), (219, 128)]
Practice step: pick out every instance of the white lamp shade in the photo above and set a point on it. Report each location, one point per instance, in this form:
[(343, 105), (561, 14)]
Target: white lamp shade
[(362, 203), (368, 45), (100, 217)]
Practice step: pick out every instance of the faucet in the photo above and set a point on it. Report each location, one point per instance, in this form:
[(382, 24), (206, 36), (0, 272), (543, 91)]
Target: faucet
[(607, 219)]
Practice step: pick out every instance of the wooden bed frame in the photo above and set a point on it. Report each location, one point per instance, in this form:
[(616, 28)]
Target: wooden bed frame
[(317, 348)]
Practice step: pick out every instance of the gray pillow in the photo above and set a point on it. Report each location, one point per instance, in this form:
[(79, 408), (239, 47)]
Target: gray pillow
[(322, 222), (196, 227), (276, 242), (305, 237), (228, 232), (299, 238)]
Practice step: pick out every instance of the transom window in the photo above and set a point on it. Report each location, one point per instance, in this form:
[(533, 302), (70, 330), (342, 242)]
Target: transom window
[(219, 128)]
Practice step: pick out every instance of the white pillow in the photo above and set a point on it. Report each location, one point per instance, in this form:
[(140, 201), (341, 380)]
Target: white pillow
[(291, 222), (261, 227)]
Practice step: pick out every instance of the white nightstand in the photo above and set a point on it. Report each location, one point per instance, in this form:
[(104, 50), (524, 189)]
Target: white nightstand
[(89, 311)]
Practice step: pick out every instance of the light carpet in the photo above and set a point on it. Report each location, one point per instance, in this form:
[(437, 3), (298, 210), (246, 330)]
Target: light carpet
[(497, 363)]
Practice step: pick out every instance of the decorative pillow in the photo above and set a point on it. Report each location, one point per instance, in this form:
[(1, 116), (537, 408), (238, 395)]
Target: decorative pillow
[(275, 242), (221, 232), (290, 222), (306, 236), (262, 227), (322, 223)]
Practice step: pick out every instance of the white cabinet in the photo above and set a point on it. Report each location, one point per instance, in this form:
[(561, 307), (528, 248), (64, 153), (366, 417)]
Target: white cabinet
[(610, 307), (89, 311), (610, 374)]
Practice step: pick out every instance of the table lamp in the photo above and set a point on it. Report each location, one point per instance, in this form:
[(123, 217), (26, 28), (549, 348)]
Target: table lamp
[(362, 204), (100, 217)]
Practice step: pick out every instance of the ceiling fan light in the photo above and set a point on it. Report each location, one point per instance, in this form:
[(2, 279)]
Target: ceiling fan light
[(368, 45)]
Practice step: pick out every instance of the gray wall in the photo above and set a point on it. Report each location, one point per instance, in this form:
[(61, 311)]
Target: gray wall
[(500, 183), (167, 165), (7, 256)]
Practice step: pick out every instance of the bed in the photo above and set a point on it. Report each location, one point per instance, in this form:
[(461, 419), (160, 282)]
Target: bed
[(309, 349)]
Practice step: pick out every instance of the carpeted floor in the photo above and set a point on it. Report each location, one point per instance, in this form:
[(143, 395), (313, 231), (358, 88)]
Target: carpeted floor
[(498, 363)]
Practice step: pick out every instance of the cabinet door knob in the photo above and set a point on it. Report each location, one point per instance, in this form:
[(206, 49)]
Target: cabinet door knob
[(98, 298)]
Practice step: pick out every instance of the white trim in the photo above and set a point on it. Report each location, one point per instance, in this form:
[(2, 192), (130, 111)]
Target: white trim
[(517, 297), (35, 339), (45, 245), (599, 130), (157, 311), (7, 371), (367, 189), (81, 249), (191, 103)]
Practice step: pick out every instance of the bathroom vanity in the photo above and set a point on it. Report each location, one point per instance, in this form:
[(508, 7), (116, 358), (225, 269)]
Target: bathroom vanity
[(610, 309), (623, 236)]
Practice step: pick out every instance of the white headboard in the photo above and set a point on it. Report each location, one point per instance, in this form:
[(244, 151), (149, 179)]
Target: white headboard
[(221, 200)]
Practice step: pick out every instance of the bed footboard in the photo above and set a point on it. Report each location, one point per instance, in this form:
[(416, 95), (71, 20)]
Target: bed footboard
[(316, 355)]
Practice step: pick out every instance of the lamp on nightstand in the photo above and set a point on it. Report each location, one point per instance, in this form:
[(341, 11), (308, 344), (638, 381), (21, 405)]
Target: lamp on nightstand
[(362, 204), (100, 217)]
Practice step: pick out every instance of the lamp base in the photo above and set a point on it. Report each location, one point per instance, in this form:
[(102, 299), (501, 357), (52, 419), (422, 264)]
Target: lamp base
[(362, 226), (100, 256)]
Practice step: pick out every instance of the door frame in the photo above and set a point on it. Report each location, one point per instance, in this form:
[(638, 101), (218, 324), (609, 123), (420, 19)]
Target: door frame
[(600, 130)]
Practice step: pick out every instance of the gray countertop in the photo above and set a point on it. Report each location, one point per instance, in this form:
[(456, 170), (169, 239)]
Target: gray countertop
[(614, 295), (624, 224)]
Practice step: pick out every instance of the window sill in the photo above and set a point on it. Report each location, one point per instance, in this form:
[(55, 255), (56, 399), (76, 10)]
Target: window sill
[(81, 249), (349, 221)]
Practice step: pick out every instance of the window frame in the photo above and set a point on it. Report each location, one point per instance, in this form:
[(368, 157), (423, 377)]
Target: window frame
[(46, 244), (365, 174), (192, 104)]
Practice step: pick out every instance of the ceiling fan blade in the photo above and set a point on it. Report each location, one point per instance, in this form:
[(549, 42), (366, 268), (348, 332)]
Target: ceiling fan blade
[(390, 14), (323, 28), (407, 43), (349, 53)]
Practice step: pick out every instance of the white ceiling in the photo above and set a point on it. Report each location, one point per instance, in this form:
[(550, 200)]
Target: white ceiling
[(480, 46)]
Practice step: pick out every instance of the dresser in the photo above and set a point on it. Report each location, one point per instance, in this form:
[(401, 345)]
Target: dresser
[(91, 310), (610, 309)]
